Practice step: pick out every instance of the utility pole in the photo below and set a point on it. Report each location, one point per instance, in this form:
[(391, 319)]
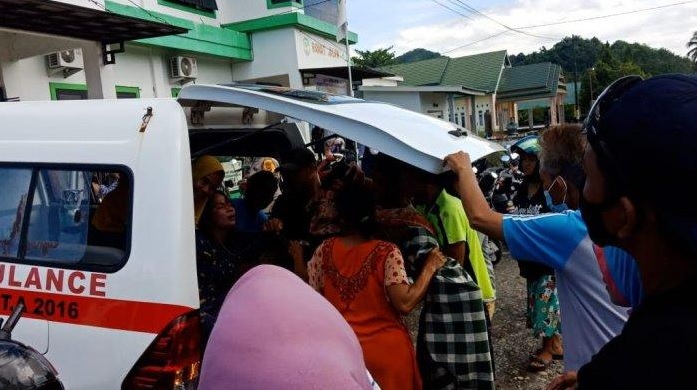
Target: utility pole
[(577, 83), (590, 82)]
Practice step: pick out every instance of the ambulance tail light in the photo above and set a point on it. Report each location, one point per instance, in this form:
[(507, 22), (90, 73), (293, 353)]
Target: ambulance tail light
[(173, 360)]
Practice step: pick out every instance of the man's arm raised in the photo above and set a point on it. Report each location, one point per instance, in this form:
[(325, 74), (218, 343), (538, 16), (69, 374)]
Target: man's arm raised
[(480, 214)]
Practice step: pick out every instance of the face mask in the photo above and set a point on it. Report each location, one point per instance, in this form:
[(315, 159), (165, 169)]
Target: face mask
[(593, 217), (556, 208)]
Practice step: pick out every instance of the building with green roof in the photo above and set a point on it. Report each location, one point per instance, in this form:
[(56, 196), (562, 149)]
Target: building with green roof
[(481, 91)]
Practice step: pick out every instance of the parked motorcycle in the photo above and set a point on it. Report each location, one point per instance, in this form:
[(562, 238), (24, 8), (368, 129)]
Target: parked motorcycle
[(507, 184), (21, 366)]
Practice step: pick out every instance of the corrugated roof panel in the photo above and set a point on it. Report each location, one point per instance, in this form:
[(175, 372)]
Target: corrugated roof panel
[(426, 72), (480, 71)]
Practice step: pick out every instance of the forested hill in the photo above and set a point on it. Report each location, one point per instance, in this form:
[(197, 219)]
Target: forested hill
[(416, 55), (587, 52)]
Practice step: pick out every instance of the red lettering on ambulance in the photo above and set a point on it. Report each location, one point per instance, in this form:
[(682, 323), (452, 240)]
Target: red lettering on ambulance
[(2, 272), (75, 288), (33, 279), (54, 280), (11, 281), (97, 284)]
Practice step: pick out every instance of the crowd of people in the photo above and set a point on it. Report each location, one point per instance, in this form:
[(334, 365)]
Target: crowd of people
[(312, 294)]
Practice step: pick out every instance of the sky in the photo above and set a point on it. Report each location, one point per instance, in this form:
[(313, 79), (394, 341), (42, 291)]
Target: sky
[(410, 24)]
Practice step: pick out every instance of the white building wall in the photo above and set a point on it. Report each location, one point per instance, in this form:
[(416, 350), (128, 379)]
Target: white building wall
[(214, 71), (274, 55), (482, 103), (34, 79), (435, 104), (409, 100), (148, 69), (145, 68), (232, 11), (134, 69), (278, 55), (383, 82)]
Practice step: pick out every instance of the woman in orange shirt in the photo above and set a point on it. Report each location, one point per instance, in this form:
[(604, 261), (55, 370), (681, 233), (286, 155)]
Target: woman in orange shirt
[(366, 281)]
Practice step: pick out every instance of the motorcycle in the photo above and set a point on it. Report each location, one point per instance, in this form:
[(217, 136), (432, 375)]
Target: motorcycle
[(507, 185), (21, 366), (499, 184)]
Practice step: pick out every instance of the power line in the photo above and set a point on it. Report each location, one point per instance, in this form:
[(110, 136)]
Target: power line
[(474, 11), (150, 13), (98, 4), (609, 15), (448, 8), (477, 12), (477, 41)]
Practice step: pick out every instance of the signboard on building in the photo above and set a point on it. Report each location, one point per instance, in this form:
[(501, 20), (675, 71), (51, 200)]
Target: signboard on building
[(331, 84), (317, 52)]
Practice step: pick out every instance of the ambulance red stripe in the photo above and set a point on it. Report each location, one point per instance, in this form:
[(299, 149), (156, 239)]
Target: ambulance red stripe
[(147, 317)]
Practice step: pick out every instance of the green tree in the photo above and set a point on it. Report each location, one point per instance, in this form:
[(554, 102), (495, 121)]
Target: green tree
[(608, 69), (692, 45), (652, 61), (374, 58), (583, 54), (571, 53)]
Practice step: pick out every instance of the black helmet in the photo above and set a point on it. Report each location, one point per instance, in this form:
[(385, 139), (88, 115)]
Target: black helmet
[(23, 368), (528, 145)]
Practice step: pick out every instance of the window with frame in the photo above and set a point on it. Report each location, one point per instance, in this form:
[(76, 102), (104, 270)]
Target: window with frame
[(65, 217), (325, 10), (65, 91), (70, 94)]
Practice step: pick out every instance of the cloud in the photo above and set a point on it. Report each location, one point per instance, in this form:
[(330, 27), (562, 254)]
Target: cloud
[(668, 28)]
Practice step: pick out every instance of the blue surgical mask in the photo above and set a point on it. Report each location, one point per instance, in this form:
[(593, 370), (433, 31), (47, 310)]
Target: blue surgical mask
[(556, 208)]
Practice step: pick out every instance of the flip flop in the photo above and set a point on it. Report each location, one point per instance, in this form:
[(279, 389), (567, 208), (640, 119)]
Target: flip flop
[(536, 364), (554, 355)]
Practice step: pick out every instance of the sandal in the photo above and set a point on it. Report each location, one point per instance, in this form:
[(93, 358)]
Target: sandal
[(536, 364), (554, 355)]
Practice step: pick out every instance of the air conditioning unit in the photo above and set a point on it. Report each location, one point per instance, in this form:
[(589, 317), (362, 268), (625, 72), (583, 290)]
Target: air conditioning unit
[(67, 61), (183, 67)]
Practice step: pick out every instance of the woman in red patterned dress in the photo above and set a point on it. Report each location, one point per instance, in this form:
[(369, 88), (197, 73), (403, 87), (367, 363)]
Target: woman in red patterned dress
[(366, 281)]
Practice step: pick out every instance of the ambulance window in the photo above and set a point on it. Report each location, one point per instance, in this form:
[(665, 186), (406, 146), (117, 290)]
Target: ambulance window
[(13, 198), (76, 218), (58, 220)]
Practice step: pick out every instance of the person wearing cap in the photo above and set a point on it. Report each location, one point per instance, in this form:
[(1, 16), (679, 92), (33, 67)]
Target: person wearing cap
[(207, 173), (584, 273), (632, 120), (542, 308)]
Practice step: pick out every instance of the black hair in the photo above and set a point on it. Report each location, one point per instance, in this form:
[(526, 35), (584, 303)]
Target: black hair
[(205, 223), (534, 177), (355, 206), (262, 182)]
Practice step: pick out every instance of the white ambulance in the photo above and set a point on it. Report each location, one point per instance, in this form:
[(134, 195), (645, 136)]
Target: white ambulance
[(117, 308)]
